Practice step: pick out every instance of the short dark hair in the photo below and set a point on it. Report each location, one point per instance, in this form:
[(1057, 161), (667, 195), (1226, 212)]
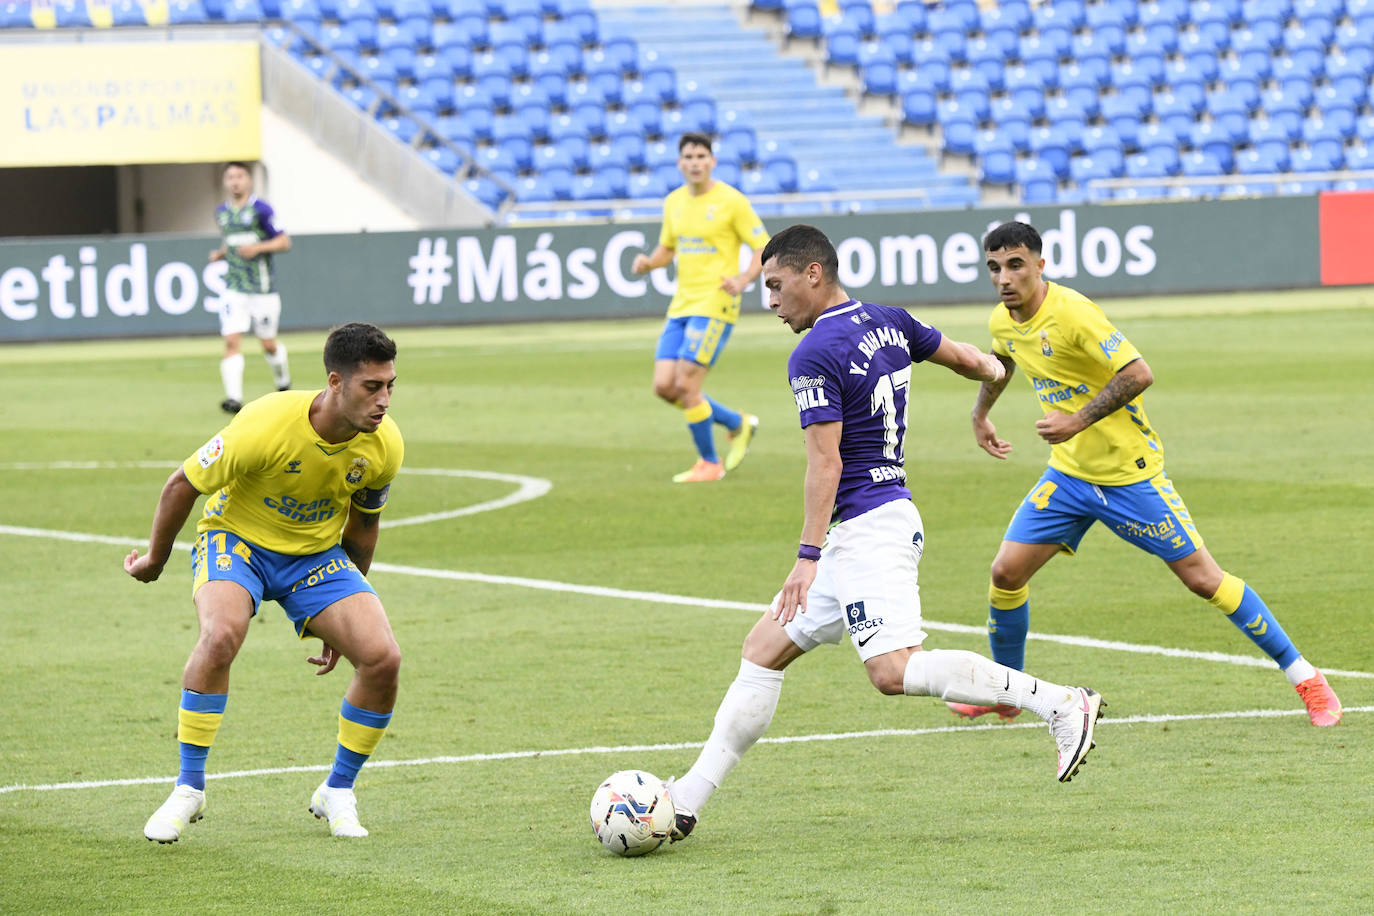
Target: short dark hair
[(694, 139), (236, 165), (350, 345), (800, 246), (1013, 235)]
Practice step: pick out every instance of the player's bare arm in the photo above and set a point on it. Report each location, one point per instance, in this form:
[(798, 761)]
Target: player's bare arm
[(359, 538), (823, 466), (984, 432), (967, 360), (173, 506), (739, 282), (661, 256), (1125, 386)]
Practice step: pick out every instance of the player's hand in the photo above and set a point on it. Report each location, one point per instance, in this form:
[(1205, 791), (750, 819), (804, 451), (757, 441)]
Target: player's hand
[(994, 368), (986, 435), (792, 598), (217, 255), (733, 285), (326, 660), (640, 265), (1057, 426), (142, 568)]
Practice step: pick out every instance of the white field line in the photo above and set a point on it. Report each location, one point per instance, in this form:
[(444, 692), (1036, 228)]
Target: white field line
[(1085, 642), (527, 488), (678, 746)]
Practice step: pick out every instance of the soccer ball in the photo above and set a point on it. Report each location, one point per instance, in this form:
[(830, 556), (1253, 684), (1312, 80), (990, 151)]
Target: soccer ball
[(632, 813)]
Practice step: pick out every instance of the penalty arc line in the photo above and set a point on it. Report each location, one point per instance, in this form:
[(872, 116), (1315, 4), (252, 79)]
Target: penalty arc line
[(1147, 719), (1082, 642)]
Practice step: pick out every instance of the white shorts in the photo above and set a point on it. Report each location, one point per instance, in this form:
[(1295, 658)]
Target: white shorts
[(240, 313), (866, 584)]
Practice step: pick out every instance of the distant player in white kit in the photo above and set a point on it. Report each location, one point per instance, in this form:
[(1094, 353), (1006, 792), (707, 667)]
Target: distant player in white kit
[(250, 301), (852, 378)]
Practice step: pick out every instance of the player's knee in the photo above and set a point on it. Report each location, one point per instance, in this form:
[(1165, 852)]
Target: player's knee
[(666, 390), (384, 665), (218, 645), (1007, 575), (887, 675)]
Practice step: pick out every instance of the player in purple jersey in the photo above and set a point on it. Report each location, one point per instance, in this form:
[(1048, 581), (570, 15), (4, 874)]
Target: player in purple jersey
[(851, 376), (250, 301)]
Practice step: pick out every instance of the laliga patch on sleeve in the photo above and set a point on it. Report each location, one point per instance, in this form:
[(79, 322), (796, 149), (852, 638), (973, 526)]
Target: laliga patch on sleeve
[(209, 452)]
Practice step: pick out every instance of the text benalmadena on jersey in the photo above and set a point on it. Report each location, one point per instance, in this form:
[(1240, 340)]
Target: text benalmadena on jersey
[(284, 488)]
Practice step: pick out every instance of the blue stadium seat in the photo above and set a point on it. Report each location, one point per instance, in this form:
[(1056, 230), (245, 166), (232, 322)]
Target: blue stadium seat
[(124, 13), (757, 182), (457, 130), (181, 12), (1037, 180), (902, 46), (930, 73), (1120, 15), (443, 159), (842, 48), (1261, 162), (1210, 138), (646, 186), (574, 147), (859, 13), (783, 171), (997, 166), (1313, 159), (404, 129), (1086, 168), (1123, 114), (1012, 121), (919, 107), (486, 191), (804, 22), (1054, 147), (234, 11)]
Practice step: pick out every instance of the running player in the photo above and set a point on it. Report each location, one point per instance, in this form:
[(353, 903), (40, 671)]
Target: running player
[(250, 300), (1106, 464), (290, 474), (704, 224), (852, 380)]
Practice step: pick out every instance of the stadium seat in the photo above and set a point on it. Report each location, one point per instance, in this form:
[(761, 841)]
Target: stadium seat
[(1037, 181), (443, 159), (919, 107), (234, 11), (404, 129)]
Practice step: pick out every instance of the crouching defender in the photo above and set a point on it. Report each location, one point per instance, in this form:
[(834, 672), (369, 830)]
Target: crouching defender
[(851, 377), (298, 481)]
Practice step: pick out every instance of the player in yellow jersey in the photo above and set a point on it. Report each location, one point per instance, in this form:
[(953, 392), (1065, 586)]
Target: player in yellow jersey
[(296, 483), (704, 224), (1106, 464)]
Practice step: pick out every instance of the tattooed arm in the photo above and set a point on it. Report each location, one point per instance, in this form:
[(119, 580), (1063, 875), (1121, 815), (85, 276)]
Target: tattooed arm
[(988, 393), (360, 538), (1133, 378)]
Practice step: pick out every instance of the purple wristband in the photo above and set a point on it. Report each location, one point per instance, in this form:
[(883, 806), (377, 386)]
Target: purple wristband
[(807, 552)]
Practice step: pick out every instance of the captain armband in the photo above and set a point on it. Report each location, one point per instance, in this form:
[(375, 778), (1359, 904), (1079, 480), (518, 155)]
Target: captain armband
[(371, 500)]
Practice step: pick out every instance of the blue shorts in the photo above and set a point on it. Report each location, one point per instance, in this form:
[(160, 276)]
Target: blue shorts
[(693, 337), (1148, 514), (302, 585)]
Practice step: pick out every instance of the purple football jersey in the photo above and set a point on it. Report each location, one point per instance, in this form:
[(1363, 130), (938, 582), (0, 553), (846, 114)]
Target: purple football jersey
[(855, 366)]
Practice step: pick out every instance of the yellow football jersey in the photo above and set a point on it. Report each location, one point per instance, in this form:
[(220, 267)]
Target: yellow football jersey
[(706, 232), (276, 483), (1069, 351)]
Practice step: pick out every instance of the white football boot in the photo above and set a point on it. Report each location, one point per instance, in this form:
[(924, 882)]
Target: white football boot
[(340, 808), (184, 806), (1072, 729)]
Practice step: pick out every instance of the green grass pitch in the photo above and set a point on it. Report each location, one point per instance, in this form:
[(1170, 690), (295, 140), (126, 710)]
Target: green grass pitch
[(1208, 791)]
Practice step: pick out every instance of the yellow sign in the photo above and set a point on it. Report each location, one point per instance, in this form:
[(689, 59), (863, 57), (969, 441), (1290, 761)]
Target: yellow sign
[(98, 103)]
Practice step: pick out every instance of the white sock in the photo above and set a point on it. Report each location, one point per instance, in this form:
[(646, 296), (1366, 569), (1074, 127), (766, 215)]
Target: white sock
[(966, 677), (231, 372), (741, 720), (1299, 671), (281, 373)]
